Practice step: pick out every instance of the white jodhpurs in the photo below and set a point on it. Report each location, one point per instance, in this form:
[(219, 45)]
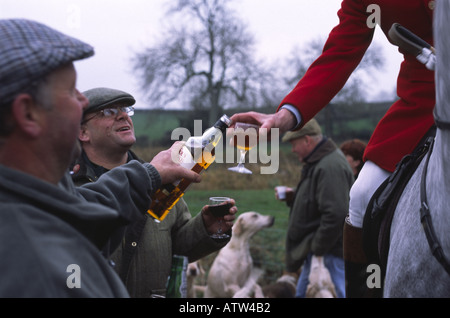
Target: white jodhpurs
[(369, 179)]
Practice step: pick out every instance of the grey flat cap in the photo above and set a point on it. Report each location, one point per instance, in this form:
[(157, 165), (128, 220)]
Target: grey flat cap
[(102, 97), (30, 50), (311, 128)]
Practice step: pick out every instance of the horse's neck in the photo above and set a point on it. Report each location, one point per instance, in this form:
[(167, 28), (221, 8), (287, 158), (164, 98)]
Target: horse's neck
[(442, 43), (442, 111), (439, 169)]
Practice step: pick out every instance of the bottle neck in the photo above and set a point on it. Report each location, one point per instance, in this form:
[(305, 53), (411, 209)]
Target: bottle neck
[(221, 126), (212, 136)]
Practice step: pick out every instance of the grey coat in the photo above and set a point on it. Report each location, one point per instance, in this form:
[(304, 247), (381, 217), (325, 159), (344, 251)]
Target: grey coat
[(46, 229)]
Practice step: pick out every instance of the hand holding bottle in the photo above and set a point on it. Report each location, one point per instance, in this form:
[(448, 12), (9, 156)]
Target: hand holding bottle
[(171, 171), (196, 155)]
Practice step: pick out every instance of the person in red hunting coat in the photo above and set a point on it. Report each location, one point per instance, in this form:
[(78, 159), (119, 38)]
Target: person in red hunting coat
[(406, 122)]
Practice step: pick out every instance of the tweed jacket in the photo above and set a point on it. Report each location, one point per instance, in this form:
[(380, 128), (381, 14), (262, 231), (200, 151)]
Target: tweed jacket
[(317, 214), (409, 118), (144, 257)]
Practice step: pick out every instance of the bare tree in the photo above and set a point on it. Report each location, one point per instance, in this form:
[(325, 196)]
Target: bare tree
[(355, 90), (204, 60), (353, 93)]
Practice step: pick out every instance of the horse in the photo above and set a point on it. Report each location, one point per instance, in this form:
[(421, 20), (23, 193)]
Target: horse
[(412, 268)]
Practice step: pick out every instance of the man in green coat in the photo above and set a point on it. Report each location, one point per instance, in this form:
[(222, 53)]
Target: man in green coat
[(319, 206), (144, 257)]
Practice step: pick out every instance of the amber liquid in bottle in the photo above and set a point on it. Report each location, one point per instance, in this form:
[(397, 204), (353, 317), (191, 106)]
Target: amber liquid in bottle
[(168, 195)]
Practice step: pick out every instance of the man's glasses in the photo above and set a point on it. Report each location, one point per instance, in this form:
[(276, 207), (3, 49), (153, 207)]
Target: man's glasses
[(112, 112)]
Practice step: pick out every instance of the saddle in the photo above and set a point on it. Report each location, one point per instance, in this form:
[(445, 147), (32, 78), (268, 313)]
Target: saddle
[(381, 208)]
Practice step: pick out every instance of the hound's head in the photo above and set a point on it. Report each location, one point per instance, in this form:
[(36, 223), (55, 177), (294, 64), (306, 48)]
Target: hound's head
[(194, 269), (249, 223)]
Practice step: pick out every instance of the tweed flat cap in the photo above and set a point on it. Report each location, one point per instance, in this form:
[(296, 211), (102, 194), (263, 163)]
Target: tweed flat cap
[(102, 97), (311, 128), (30, 50)]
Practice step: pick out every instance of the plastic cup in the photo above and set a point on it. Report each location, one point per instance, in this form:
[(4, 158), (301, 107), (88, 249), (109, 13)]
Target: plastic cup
[(281, 191)]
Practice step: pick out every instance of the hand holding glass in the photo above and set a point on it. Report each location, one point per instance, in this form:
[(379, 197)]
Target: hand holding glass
[(245, 137), (219, 207)]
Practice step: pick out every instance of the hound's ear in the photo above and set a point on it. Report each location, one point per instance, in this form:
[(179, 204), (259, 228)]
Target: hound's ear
[(238, 227)]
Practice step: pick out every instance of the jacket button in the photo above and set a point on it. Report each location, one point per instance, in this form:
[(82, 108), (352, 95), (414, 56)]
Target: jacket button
[(134, 244)]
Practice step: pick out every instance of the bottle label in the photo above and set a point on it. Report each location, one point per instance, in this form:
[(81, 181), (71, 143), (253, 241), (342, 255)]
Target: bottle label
[(185, 159)]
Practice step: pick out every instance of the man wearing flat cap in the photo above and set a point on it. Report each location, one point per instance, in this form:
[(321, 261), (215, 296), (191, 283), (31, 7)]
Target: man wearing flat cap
[(318, 206), (143, 259), (107, 133), (51, 232)]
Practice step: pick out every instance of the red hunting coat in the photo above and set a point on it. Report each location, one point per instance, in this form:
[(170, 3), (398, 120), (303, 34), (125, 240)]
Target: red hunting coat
[(408, 119)]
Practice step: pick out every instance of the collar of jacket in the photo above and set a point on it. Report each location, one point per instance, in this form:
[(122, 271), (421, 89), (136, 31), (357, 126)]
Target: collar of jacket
[(88, 171), (325, 147)]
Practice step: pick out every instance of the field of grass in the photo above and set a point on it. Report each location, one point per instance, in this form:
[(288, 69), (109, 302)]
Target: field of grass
[(262, 201)]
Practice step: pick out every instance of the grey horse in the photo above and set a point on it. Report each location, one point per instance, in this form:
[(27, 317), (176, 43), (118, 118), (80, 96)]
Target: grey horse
[(412, 270)]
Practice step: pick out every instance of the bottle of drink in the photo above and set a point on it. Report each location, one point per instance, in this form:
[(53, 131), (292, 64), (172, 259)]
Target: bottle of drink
[(177, 281), (197, 154)]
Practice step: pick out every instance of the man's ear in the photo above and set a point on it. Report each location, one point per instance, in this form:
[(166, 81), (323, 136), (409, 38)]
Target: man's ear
[(307, 139), (84, 134), (28, 115)]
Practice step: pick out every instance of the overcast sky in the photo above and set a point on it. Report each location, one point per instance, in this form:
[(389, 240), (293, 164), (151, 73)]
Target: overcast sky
[(117, 28)]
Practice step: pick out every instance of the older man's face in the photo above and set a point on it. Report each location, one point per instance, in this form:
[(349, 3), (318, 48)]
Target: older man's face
[(300, 147), (63, 120)]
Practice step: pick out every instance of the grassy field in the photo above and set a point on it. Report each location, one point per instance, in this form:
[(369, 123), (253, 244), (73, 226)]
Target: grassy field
[(262, 201)]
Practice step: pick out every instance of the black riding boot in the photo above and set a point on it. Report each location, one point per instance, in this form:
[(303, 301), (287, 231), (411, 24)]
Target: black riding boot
[(356, 264)]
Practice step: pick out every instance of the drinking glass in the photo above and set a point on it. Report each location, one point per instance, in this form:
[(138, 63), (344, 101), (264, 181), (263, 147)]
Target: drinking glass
[(245, 137), (219, 207)]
